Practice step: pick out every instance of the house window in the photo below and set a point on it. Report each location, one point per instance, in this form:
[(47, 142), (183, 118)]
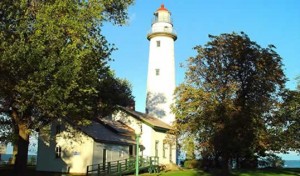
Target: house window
[(104, 155), (156, 148), (57, 152), (164, 150), (131, 150), (158, 43), (170, 154), (58, 129), (157, 72)]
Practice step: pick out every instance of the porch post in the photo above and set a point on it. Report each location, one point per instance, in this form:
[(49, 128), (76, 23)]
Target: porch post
[(137, 154)]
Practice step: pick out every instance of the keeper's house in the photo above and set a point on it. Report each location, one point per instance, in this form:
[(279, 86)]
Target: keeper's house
[(66, 147)]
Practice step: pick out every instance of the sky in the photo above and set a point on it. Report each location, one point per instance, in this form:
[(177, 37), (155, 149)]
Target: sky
[(267, 22)]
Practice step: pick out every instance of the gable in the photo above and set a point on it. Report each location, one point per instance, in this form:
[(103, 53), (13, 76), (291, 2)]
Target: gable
[(153, 122)]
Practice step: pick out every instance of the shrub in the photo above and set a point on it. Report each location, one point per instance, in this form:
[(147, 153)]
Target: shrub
[(271, 161), (191, 164), (32, 160)]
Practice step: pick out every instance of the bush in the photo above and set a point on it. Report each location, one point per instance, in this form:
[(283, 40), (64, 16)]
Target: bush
[(191, 164), (271, 161), (32, 160)]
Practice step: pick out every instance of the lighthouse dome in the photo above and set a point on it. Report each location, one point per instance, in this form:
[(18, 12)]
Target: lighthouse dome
[(162, 7), (162, 15), (162, 24)]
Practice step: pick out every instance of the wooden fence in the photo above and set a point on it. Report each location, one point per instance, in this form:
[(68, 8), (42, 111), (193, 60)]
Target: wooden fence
[(122, 167)]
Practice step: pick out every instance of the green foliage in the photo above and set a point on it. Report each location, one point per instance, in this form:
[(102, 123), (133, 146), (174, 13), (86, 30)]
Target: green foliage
[(54, 59), (188, 145), (271, 161), (5, 129), (53, 62), (289, 124), (191, 164), (231, 88), (32, 160)]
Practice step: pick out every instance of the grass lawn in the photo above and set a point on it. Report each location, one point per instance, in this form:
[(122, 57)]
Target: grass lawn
[(7, 171), (188, 172), (269, 172), (258, 172)]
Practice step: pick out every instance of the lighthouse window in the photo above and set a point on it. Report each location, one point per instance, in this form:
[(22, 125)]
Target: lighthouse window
[(166, 29), (158, 43), (157, 72)]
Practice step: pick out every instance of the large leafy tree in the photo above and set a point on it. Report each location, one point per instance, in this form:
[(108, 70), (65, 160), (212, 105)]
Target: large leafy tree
[(53, 63), (288, 127), (231, 88)]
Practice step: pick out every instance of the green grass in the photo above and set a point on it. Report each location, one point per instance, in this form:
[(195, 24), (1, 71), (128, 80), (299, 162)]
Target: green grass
[(269, 172), (188, 172), (258, 172), (7, 171)]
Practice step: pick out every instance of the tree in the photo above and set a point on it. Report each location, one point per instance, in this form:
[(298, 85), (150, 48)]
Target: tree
[(271, 161), (231, 88), (53, 63), (289, 123), (188, 145)]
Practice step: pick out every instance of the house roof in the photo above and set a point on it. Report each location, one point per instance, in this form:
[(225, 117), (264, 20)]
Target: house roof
[(153, 122), (100, 133), (116, 132), (117, 126)]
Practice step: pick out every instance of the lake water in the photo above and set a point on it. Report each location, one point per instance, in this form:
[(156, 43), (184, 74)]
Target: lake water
[(292, 163), (5, 157)]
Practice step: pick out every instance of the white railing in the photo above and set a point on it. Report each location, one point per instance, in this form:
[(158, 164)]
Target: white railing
[(162, 29), (161, 19)]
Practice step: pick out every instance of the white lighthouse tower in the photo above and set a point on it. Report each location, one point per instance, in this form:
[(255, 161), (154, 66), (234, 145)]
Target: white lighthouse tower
[(161, 67)]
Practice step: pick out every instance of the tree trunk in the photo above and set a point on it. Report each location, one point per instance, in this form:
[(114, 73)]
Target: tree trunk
[(16, 138), (15, 152), (225, 166), (216, 162), (22, 151), (238, 163)]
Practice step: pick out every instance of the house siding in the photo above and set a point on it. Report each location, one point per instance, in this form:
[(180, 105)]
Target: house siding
[(76, 150), (160, 137), (113, 152), (148, 138)]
